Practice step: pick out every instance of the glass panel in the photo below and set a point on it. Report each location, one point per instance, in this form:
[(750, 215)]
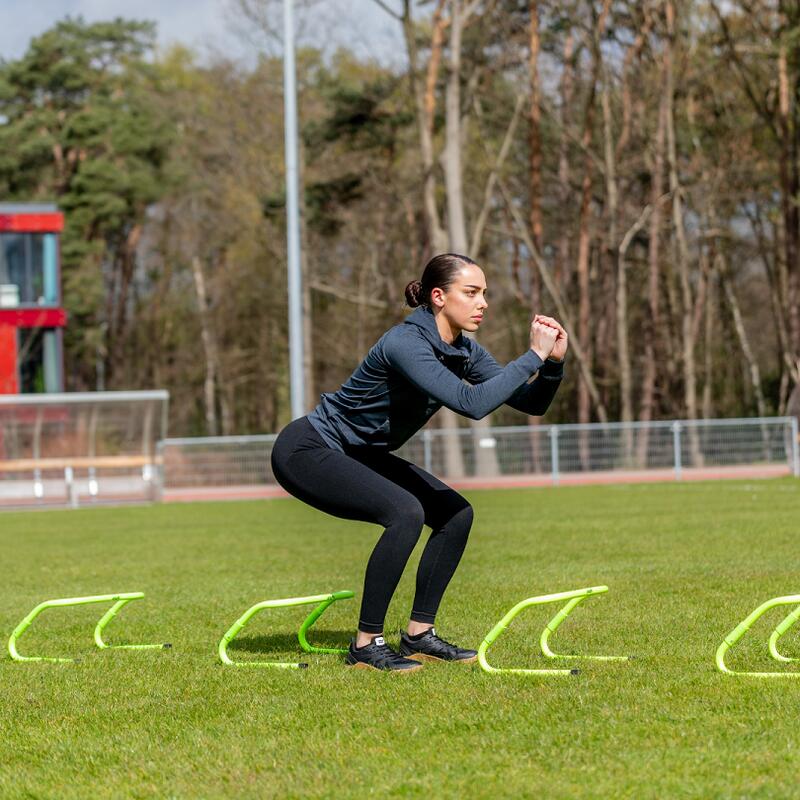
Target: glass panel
[(28, 269), (12, 269), (50, 247)]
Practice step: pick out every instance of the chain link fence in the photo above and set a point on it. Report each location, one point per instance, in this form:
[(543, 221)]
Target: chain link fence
[(532, 455)]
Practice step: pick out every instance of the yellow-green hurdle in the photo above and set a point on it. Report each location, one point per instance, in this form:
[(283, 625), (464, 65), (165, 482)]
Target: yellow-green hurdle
[(741, 629), (323, 601), (119, 601), (574, 598)]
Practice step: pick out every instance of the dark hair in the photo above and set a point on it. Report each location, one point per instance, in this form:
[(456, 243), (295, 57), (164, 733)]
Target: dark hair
[(439, 273)]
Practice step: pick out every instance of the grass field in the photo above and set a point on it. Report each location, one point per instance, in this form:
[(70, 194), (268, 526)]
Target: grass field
[(684, 564)]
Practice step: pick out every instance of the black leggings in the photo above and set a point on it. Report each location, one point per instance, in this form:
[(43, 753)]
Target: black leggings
[(372, 485)]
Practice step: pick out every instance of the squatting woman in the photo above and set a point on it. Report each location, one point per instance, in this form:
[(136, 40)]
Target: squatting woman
[(339, 458)]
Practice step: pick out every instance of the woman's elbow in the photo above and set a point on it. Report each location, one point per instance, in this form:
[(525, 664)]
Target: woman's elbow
[(473, 412)]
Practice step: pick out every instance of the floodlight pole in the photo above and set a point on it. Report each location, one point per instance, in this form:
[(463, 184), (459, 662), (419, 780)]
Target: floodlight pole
[(296, 347)]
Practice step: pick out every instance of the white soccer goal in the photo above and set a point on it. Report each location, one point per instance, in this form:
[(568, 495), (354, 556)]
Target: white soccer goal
[(74, 449)]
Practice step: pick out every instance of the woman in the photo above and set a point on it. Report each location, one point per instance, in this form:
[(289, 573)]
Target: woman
[(338, 458)]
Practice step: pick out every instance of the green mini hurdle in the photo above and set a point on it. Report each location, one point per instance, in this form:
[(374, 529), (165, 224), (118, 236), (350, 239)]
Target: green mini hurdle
[(741, 629), (323, 600), (574, 598), (119, 601)]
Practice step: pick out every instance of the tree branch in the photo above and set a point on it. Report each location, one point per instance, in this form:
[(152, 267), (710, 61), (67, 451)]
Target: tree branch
[(343, 294), (480, 223), (388, 10)]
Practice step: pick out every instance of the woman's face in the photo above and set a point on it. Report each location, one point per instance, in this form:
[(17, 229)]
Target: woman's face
[(464, 302)]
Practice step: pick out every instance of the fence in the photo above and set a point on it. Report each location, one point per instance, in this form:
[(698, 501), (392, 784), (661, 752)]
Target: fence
[(110, 447), (527, 455)]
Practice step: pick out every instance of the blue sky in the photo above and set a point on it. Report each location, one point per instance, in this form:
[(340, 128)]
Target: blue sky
[(210, 24)]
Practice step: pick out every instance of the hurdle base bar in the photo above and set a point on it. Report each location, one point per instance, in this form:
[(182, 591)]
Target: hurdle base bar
[(119, 601), (574, 598), (108, 616), (741, 629), (323, 601)]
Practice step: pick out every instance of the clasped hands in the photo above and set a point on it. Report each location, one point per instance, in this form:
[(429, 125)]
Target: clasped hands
[(548, 338)]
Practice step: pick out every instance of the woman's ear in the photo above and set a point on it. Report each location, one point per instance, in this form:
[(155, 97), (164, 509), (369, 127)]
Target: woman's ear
[(437, 298)]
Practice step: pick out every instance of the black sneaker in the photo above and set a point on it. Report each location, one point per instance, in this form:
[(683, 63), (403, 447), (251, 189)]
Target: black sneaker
[(378, 655), (429, 647)]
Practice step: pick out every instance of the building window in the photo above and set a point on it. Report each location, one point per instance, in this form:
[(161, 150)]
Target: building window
[(28, 269)]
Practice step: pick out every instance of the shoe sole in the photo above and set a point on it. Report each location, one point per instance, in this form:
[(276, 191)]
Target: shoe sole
[(362, 665), (425, 657)]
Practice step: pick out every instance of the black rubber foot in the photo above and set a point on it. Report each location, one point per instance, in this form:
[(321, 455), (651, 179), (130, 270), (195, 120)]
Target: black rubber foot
[(574, 672), (303, 666), (632, 658), (166, 646)]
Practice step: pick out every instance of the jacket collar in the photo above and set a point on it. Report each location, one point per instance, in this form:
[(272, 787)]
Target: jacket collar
[(423, 318)]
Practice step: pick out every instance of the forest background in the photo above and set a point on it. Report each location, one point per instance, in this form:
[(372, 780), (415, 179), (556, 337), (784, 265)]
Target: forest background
[(631, 168)]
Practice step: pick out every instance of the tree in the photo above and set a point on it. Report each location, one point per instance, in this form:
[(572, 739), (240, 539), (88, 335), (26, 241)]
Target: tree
[(81, 127)]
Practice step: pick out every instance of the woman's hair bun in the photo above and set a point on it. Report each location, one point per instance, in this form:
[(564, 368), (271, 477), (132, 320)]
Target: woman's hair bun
[(414, 294)]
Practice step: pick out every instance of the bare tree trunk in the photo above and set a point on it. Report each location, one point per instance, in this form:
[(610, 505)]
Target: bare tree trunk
[(485, 456), (425, 100), (563, 271), (582, 266), (584, 230), (209, 348), (741, 333), (451, 158), (623, 347), (652, 323), (535, 129), (708, 348), (687, 302), (612, 200)]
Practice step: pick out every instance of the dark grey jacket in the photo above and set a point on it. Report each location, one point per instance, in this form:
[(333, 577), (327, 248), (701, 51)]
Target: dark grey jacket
[(410, 373)]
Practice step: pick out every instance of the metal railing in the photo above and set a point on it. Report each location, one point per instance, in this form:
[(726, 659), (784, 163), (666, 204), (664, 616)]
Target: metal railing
[(674, 449)]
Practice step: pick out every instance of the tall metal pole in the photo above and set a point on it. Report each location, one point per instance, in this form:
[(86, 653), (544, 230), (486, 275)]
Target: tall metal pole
[(293, 216)]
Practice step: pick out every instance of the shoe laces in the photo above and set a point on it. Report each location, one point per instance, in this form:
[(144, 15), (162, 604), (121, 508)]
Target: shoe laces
[(443, 643), (385, 653)]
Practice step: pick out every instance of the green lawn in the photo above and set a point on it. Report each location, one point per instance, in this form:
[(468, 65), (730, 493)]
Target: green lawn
[(684, 564)]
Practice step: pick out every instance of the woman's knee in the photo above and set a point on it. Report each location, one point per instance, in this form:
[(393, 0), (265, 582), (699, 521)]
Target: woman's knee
[(453, 511), (410, 515)]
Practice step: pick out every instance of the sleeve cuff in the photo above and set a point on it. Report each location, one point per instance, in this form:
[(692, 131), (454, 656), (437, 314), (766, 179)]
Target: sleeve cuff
[(552, 369), (530, 362)]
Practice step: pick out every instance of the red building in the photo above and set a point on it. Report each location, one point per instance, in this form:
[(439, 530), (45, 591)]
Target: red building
[(31, 316)]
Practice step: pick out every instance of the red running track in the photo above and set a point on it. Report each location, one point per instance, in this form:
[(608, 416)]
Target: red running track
[(193, 494)]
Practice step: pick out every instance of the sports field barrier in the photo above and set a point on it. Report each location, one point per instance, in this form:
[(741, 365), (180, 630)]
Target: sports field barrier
[(79, 449), (239, 466)]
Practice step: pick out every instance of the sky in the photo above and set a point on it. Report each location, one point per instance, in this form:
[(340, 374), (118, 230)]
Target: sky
[(212, 25)]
